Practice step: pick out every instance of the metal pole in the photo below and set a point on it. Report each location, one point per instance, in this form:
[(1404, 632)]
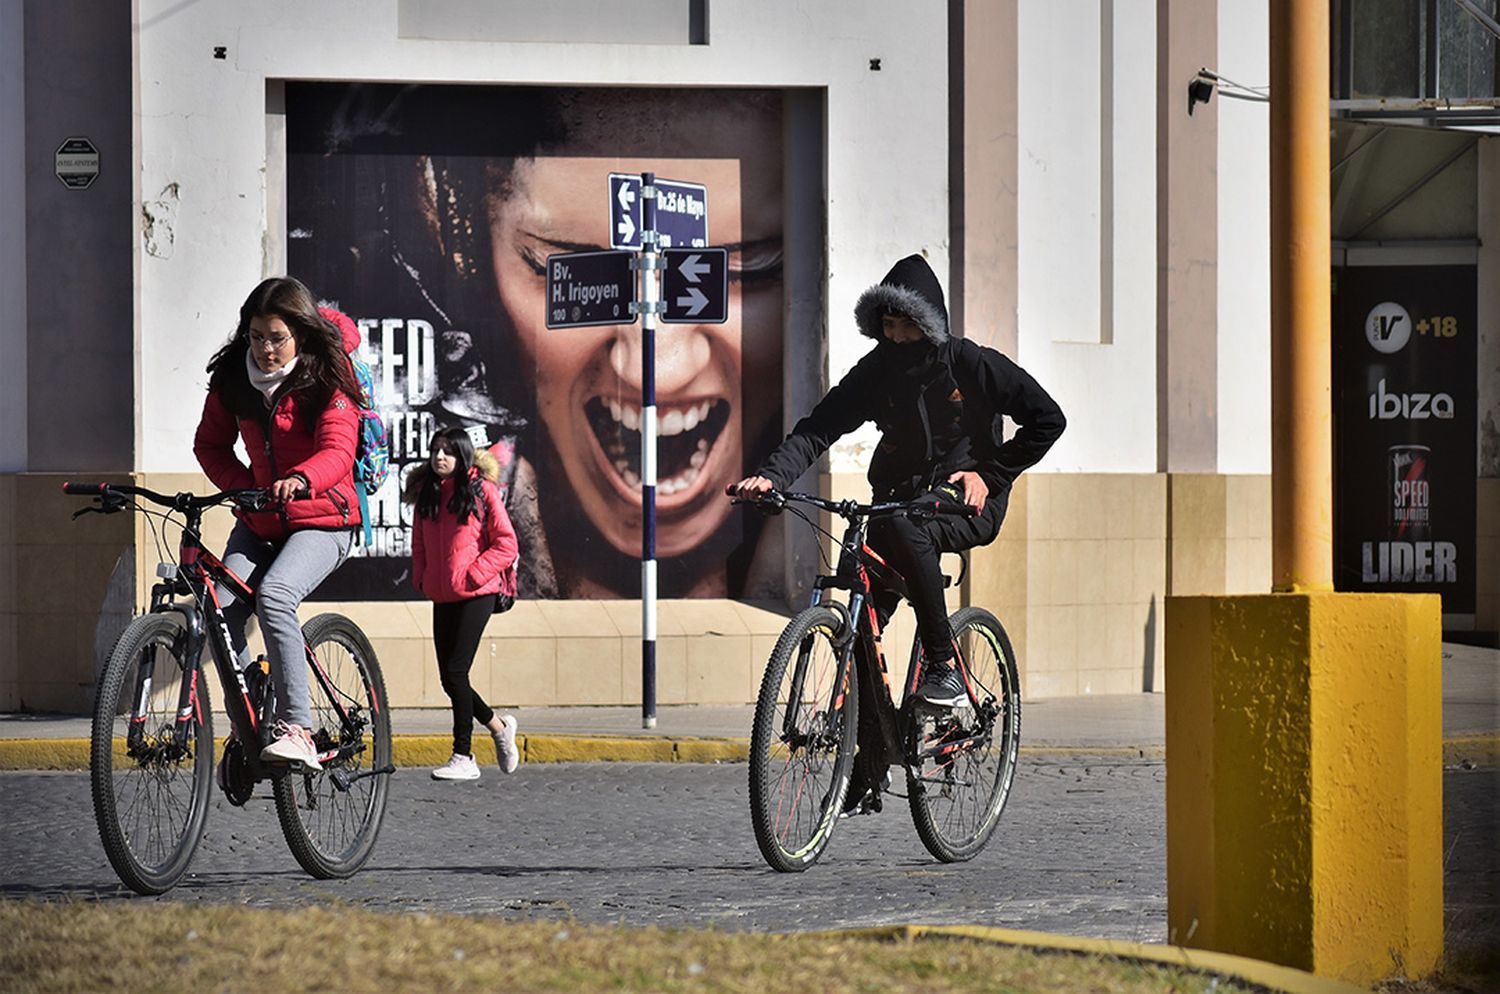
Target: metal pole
[(1301, 361), (649, 296)]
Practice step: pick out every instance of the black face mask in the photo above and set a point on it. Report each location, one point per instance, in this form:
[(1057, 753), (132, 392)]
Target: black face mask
[(909, 356)]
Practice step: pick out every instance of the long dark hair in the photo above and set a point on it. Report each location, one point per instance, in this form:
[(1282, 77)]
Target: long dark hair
[(428, 486), (322, 364)]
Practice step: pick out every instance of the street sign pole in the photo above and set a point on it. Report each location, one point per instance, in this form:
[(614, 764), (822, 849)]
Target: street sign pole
[(648, 449)]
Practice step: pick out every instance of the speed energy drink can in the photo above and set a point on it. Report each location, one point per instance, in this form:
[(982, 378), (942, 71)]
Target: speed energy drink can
[(1409, 492)]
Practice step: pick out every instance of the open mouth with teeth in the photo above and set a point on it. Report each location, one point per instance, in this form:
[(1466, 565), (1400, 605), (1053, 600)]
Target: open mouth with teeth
[(686, 438)]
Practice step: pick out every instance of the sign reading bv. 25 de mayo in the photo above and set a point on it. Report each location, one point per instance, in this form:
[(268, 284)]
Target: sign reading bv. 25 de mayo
[(681, 212), (590, 288)]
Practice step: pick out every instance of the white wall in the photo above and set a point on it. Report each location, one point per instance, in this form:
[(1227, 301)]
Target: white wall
[(1244, 244), (12, 238), (203, 128), (1104, 380)]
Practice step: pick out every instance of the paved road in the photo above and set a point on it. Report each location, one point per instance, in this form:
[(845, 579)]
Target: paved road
[(1080, 851)]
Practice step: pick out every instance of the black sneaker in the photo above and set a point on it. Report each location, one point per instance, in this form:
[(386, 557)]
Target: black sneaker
[(942, 687), (863, 799)]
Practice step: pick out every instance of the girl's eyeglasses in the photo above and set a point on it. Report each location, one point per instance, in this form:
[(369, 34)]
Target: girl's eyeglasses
[(272, 344)]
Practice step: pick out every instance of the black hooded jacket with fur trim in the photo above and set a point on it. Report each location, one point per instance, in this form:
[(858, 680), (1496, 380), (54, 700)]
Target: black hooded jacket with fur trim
[(939, 404)]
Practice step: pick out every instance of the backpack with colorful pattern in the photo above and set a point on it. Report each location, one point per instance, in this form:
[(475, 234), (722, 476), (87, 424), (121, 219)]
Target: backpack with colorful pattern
[(372, 454)]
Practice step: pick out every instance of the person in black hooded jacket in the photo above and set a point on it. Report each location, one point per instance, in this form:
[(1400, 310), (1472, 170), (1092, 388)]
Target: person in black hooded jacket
[(938, 402)]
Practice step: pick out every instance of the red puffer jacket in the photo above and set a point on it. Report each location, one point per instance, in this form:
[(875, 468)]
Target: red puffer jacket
[(454, 562), (318, 444)]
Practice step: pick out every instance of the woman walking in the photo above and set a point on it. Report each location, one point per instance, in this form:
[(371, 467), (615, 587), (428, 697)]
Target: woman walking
[(463, 559)]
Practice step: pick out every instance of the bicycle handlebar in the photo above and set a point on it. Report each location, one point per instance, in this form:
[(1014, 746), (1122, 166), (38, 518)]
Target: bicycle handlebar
[(250, 498), (775, 500)]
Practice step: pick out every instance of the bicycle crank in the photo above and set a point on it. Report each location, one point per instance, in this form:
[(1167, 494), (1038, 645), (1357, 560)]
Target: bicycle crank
[(343, 779)]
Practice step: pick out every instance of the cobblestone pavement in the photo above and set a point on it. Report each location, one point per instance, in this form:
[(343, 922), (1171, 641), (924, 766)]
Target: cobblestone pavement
[(1080, 850)]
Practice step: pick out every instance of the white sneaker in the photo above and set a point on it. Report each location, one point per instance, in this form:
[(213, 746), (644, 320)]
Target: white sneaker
[(506, 753), (291, 744), (457, 768)]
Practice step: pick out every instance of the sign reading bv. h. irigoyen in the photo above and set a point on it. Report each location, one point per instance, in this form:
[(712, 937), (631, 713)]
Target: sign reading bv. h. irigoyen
[(1405, 398)]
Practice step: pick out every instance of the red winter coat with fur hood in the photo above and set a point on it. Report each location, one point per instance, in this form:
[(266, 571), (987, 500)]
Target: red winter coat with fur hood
[(457, 561), (294, 438)]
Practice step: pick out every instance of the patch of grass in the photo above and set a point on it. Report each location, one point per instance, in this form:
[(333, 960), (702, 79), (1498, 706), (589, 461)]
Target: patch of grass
[(155, 945)]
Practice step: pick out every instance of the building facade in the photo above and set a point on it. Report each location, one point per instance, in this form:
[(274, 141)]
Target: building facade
[(1044, 157)]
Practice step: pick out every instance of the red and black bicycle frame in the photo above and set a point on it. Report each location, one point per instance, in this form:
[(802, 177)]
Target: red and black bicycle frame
[(197, 575), (861, 645)]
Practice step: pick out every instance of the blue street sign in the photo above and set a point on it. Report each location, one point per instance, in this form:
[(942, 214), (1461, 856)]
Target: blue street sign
[(681, 213), (589, 288), (695, 285)]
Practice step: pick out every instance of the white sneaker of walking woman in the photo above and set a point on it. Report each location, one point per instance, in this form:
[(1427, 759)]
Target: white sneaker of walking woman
[(291, 744), (457, 768), (506, 753)]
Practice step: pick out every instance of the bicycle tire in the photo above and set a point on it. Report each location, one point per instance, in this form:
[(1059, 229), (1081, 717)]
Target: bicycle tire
[(150, 807), (957, 805), (332, 832), (793, 832)]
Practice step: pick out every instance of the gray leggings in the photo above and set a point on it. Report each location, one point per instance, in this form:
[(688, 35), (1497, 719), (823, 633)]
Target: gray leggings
[(281, 575)]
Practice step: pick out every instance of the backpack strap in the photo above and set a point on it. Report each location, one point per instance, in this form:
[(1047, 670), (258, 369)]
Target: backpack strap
[(364, 511)]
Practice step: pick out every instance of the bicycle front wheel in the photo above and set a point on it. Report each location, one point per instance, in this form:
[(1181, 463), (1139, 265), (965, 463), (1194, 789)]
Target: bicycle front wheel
[(331, 818), (802, 744), (150, 769), (956, 799)]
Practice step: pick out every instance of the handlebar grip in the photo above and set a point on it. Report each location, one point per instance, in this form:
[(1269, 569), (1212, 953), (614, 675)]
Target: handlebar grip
[(85, 489), (957, 510)]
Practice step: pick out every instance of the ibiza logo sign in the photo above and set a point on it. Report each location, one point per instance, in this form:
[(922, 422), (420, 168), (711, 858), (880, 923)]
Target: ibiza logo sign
[(1388, 327), (1409, 406)]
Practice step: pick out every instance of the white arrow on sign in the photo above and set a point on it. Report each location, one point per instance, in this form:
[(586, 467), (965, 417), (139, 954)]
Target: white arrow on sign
[(694, 301), (693, 267), (626, 197)]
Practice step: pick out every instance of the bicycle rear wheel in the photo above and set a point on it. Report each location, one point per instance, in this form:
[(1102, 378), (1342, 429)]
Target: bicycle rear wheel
[(956, 800), (150, 786), (331, 818), (802, 744)]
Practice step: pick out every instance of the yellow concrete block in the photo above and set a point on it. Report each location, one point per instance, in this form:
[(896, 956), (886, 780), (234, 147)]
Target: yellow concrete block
[(1304, 788)]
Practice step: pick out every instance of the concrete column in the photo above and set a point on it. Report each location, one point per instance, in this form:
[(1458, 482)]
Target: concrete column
[(983, 145), (1301, 357), (80, 288), (1187, 242)]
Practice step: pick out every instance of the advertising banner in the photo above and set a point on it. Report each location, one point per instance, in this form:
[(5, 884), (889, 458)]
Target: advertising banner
[(427, 214), (1405, 394)]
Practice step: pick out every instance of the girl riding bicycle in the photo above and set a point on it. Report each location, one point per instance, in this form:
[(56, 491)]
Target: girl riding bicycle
[(283, 384), (463, 558)]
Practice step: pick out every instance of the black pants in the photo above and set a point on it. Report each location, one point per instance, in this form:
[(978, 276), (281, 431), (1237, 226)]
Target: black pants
[(913, 548), (456, 631)]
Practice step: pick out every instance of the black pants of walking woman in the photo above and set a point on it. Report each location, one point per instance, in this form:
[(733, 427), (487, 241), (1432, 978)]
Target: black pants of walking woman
[(456, 631)]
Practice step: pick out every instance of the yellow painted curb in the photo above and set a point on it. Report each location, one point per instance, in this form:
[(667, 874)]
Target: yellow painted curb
[(1268, 975), (1479, 750), (44, 754), (434, 750)]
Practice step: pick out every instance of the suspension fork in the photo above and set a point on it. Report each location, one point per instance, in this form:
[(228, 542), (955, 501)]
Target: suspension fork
[(189, 703), (844, 639)]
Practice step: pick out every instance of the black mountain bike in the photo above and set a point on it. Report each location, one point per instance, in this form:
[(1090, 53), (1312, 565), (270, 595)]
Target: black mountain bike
[(152, 746), (959, 762)]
